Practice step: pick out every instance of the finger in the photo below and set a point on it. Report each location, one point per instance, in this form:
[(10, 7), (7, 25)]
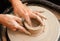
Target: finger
[(17, 19), (15, 12), (42, 16), (39, 19), (14, 29), (7, 21), (32, 15), (20, 28), (9, 24), (28, 20)]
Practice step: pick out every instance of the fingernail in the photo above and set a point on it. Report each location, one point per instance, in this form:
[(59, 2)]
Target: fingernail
[(28, 33), (14, 29)]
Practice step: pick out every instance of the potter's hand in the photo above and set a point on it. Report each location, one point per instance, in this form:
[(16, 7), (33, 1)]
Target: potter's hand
[(12, 22), (23, 11)]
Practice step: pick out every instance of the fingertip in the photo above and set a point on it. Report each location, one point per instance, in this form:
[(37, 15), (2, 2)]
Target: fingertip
[(29, 21), (27, 32), (14, 29), (22, 29)]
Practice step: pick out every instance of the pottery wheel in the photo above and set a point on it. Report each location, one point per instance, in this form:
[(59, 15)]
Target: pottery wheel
[(50, 33)]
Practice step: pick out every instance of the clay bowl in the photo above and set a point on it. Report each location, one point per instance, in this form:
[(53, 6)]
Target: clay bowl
[(35, 28)]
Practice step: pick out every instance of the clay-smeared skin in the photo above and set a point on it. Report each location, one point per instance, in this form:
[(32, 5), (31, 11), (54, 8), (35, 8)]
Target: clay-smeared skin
[(23, 11), (12, 22)]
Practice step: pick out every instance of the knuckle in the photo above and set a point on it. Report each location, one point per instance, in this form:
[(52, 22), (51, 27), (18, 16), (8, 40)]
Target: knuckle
[(26, 14)]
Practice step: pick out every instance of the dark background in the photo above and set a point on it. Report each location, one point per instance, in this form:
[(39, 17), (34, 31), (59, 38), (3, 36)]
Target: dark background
[(6, 4)]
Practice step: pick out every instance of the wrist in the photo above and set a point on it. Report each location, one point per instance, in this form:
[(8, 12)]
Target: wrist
[(15, 1)]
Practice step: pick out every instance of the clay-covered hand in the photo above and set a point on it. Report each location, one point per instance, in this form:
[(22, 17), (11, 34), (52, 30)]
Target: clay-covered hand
[(12, 22), (23, 11)]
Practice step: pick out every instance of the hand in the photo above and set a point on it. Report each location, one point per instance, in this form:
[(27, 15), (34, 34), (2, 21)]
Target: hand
[(12, 22), (23, 11)]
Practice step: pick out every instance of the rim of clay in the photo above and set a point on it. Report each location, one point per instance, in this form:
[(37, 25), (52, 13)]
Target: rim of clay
[(32, 28)]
